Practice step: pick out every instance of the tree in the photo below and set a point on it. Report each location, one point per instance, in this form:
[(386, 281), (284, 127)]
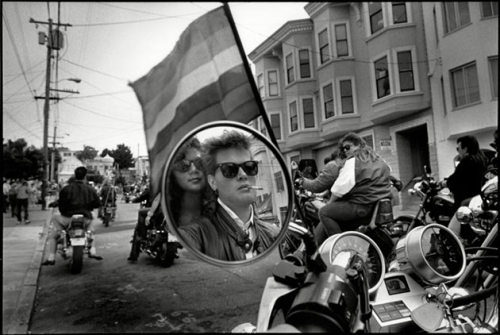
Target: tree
[(105, 152), (21, 160), (88, 153), (123, 156)]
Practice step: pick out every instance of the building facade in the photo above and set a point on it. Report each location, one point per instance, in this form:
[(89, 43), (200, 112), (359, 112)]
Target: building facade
[(366, 68)]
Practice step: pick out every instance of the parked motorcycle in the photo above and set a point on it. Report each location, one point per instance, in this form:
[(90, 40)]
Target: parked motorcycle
[(152, 238)]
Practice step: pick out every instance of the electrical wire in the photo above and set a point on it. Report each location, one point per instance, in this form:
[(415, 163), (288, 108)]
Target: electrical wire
[(96, 71), (22, 127), (103, 115), (16, 52)]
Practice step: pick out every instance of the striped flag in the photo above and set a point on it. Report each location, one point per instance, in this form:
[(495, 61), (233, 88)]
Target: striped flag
[(203, 79)]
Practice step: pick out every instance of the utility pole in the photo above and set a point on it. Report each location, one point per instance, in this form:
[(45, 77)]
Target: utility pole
[(51, 44), (53, 155)]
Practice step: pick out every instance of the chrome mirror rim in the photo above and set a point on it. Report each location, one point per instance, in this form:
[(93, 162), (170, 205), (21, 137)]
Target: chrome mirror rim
[(287, 181)]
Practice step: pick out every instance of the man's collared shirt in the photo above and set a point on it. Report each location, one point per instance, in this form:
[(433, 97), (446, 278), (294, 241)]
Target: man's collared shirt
[(247, 227)]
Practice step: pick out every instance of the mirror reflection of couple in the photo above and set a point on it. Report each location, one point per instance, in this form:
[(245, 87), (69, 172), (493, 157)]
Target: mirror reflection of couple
[(212, 200)]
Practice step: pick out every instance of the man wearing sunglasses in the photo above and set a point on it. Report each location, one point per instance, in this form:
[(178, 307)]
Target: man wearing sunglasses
[(363, 180), (234, 232)]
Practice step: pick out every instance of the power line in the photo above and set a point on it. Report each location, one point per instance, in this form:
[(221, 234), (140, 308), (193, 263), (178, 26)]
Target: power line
[(97, 71), (99, 95), (103, 115), (133, 21), (16, 52), (21, 126)]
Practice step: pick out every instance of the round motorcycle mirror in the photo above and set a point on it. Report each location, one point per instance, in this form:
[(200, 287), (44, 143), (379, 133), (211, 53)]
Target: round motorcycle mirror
[(227, 194)]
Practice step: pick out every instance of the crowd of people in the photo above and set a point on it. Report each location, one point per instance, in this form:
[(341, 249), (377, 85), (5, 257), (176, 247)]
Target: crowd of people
[(19, 195)]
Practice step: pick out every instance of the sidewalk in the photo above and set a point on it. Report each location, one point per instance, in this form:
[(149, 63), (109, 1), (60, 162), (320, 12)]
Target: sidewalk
[(23, 247)]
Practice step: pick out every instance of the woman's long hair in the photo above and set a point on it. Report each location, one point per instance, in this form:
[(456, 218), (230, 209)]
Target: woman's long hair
[(364, 153), (175, 192)]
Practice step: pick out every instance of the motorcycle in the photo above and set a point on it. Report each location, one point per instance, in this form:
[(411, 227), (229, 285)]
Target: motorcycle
[(153, 239), (75, 241), (343, 286), (126, 197), (108, 214), (382, 227)]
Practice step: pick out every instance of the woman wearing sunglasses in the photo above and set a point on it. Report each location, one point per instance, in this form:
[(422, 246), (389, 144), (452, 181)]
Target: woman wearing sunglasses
[(233, 231), (363, 180)]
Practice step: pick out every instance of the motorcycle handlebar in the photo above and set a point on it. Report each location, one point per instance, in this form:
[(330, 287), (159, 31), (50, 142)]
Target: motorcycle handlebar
[(473, 297)]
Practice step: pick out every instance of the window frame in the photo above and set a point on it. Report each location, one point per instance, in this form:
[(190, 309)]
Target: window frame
[(261, 85), (309, 53), (348, 38), (370, 15), (271, 114), (292, 68), (323, 102), (302, 124), (268, 83), (457, 16), (374, 76), (483, 3), (328, 45), (290, 116), (466, 88), (339, 95), (391, 12), (493, 79), (414, 68)]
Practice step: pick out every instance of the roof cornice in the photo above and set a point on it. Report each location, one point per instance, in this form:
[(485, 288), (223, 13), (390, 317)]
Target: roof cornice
[(289, 28)]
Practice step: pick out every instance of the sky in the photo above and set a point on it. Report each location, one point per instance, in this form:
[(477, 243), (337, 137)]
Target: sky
[(107, 46)]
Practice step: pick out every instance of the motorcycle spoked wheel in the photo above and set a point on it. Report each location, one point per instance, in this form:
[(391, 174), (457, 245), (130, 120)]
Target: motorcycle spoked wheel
[(77, 259), (166, 254)]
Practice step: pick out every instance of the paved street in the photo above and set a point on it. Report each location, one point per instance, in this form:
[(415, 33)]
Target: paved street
[(116, 296)]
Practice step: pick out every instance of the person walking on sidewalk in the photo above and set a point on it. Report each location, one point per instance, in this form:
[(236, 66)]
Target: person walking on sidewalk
[(75, 198), (22, 196), (12, 197), (6, 188)]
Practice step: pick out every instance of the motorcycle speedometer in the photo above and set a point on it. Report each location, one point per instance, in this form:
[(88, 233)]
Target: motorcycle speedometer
[(340, 248), (432, 252)]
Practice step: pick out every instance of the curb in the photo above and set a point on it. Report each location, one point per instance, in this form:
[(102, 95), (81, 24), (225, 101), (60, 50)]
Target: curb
[(21, 318)]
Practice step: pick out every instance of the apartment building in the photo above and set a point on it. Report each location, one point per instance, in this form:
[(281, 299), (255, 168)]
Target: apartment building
[(365, 67), (462, 53)]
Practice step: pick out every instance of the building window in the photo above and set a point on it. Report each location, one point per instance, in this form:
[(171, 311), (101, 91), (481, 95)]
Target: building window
[(399, 12), (324, 52), (494, 75), (304, 64), (435, 25), (376, 17), (262, 126), (276, 125), (341, 40), (328, 105), (308, 111), (445, 108), (456, 15), (382, 78), (272, 79), (489, 8), (294, 120), (260, 85), (346, 99), (465, 85), (280, 185), (405, 66), (290, 75)]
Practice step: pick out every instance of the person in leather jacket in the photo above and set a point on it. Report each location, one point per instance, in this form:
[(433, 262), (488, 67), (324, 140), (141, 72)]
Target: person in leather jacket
[(326, 177), (75, 198), (363, 180), (232, 231), (467, 179)]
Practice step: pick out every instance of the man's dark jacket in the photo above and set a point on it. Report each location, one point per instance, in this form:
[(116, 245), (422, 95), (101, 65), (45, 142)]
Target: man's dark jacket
[(78, 198)]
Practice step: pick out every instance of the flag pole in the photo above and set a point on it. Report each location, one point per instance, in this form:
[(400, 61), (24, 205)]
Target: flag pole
[(250, 75)]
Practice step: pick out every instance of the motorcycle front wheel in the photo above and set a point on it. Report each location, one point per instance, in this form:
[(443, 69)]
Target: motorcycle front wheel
[(77, 260)]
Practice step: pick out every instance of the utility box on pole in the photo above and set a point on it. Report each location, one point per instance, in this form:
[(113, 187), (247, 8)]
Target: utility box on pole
[(41, 37), (56, 40)]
